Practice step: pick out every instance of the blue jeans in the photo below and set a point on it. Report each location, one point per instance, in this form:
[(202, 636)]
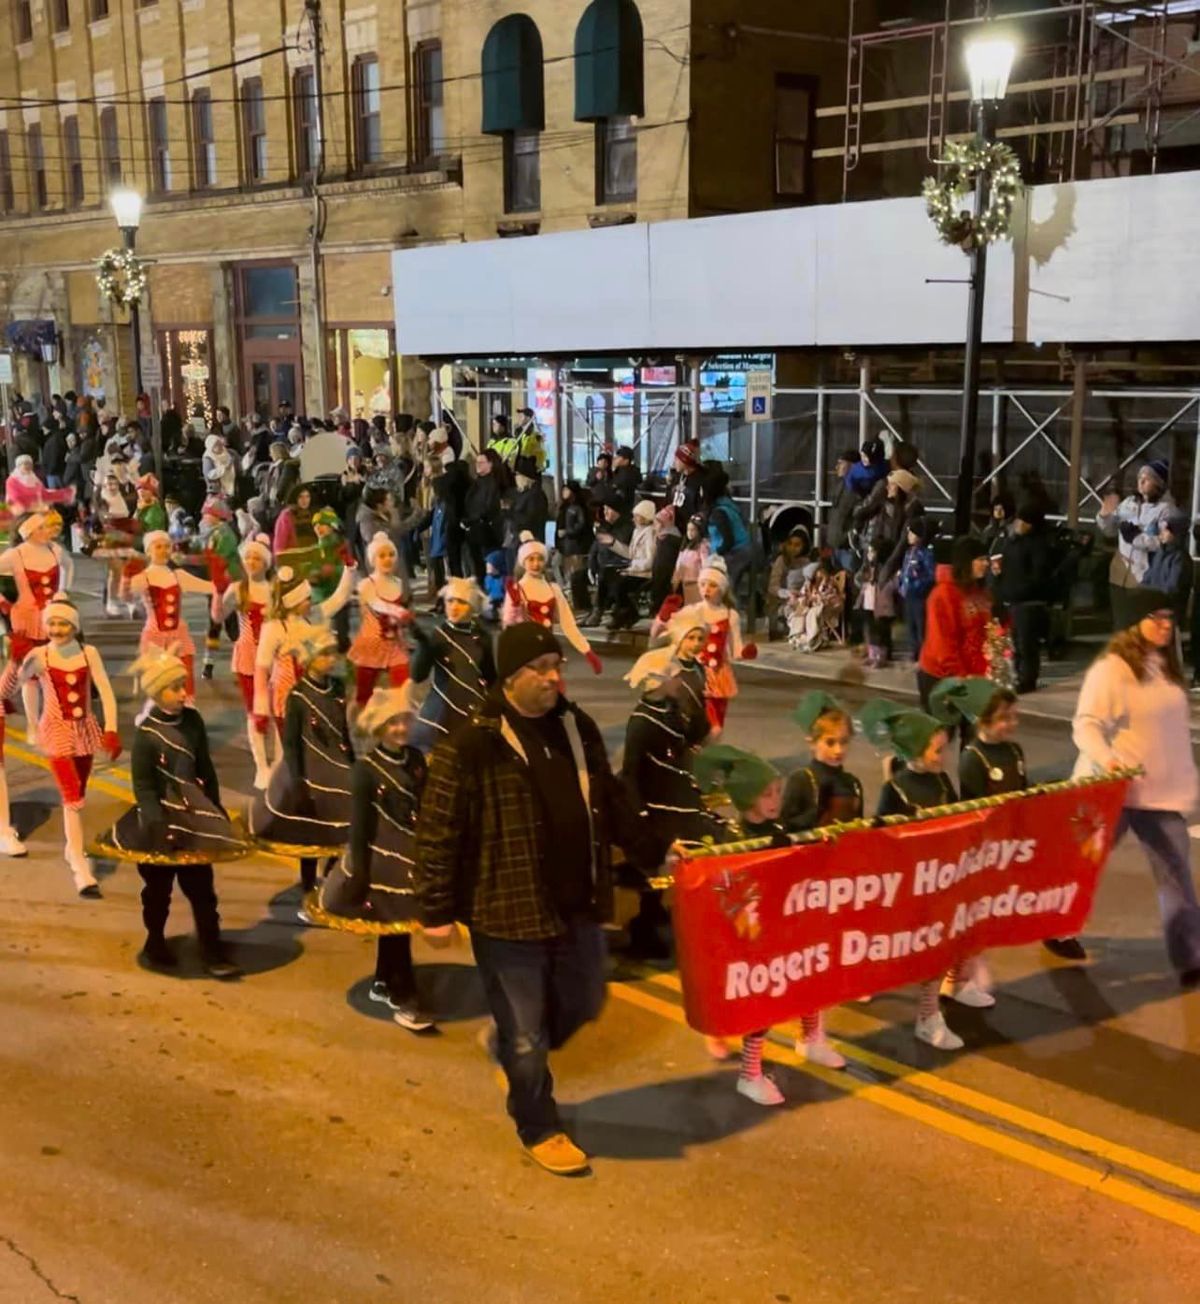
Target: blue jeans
[(54, 482), (914, 618), (1164, 838), (540, 993)]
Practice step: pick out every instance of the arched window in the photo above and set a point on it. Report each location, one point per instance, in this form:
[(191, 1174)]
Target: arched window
[(513, 94), (609, 80)]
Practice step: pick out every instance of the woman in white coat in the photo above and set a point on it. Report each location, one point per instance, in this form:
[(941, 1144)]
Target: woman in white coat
[(1133, 710)]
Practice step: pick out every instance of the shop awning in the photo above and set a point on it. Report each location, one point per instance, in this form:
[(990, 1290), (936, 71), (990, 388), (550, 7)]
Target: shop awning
[(513, 93), (609, 80), (29, 335)]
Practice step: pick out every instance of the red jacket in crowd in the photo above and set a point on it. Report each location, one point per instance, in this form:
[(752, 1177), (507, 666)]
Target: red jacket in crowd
[(956, 623)]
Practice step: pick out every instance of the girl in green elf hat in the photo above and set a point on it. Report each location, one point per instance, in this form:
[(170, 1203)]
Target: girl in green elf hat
[(919, 740), (822, 792), (992, 762), (755, 788)]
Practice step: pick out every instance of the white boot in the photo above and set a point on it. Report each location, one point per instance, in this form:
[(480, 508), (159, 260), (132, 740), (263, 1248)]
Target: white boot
[(77, 861), (258, 749), (10, 844), (935, 1032)]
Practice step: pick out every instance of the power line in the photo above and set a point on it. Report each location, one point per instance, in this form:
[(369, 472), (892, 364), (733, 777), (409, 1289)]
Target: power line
[(128, 98)]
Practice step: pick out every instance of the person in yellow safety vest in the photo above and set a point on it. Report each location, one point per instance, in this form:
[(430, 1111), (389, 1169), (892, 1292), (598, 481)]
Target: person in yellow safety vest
[(531, 443), (503, 441)]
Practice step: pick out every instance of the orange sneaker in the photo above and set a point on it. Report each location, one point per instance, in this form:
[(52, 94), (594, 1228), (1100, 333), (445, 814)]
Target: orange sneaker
[(558, 1154)]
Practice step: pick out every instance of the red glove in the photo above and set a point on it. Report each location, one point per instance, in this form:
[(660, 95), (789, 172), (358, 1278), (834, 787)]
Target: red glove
[(594, 661), (672, 603), (513, 593), (260, 724), (750, 652), (111, 742)]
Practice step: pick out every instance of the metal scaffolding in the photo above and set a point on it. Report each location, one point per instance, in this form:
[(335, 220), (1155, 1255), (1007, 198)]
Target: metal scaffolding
[(1096, 79)]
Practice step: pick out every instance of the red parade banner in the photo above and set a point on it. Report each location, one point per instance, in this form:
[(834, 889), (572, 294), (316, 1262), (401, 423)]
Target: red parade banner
[(763, 937)]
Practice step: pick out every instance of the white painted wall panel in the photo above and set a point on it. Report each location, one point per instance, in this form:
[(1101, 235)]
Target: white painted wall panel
[(873, 263), (718, 285), (1115, 260)]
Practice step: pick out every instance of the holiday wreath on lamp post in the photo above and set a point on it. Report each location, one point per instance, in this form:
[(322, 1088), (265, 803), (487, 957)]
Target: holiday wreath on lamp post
[(121, 277), (963, 162)]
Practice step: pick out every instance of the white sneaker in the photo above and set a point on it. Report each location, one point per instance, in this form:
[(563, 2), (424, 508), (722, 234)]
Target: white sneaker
[(305, 918), (11, 845), (970, 993), (262, 779), (111, 609), (820, 1052), (761, 1090), (935, 1032)]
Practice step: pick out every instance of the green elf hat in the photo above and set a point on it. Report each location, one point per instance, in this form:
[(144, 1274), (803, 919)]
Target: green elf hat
[(967, 699), (328, 517), (812, 706), (744, 776), (905, 731)]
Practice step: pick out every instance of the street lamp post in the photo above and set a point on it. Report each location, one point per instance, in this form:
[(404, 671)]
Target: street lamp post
[(127, 209), (989, 62)]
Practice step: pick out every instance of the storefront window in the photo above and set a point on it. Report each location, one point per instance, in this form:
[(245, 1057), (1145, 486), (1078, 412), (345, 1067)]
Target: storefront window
[(363, 370)]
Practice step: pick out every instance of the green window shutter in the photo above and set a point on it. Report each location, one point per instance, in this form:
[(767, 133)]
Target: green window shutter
[(609, 78), (513, 91)]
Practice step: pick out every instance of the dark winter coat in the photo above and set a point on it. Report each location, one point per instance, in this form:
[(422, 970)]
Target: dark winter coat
[(1172, 571), (844, 501), (481, 513), (573, 530), (529, 512)]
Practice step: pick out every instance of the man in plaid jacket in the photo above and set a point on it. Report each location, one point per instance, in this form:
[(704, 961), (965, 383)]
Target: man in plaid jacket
[(518, 817)]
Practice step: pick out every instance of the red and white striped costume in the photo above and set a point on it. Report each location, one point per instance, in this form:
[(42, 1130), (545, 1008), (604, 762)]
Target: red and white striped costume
[(722, 645), (542, 601), (160, 589), (39, 570), (380, 645), (251, 599)]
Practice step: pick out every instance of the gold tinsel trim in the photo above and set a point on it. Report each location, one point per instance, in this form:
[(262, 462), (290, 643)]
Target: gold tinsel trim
[(130, 856), (831, 832), (295, 851), (362, 927)]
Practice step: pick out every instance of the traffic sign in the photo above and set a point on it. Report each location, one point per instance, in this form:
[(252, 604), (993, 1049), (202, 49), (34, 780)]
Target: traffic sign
[(758, 396), (151, 371), (6, 369)]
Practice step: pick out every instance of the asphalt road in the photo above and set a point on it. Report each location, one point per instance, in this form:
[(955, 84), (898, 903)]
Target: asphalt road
[(177, 1141)]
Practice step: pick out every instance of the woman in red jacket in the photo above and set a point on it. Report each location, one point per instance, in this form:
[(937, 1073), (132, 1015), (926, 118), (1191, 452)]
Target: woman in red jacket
[(957, 612)]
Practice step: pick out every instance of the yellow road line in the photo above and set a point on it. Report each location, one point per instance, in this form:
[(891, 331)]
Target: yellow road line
[(1108, 1151), (1101, 1183), (15, 732), (95, 781)]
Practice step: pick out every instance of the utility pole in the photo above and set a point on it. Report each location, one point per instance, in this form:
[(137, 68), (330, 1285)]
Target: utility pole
[(312, 9)]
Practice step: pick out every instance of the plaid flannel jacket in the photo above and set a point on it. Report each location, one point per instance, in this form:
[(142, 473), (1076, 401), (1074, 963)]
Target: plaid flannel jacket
[(481, 850)]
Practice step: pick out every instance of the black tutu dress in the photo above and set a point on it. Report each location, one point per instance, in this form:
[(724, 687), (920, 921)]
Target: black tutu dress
[(459, 657), (178, 819), (305, 810), (371, 889)]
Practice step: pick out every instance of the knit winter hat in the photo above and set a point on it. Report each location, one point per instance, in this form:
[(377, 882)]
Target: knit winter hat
[(529, 546), (905, 731), (812, 706), (656, 664), (518, 645), (1178, 522), (688, 454), (1160, 469), (385, 705), (966, 698), (465, 590), (966, 548), (157, 669), (327, 516), (922, 527), (60, 607), (258, 543), (943, 550), (379, 539), (714, 568), (741, 774), (1143, 602), (644, 511), (1031, 513)]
